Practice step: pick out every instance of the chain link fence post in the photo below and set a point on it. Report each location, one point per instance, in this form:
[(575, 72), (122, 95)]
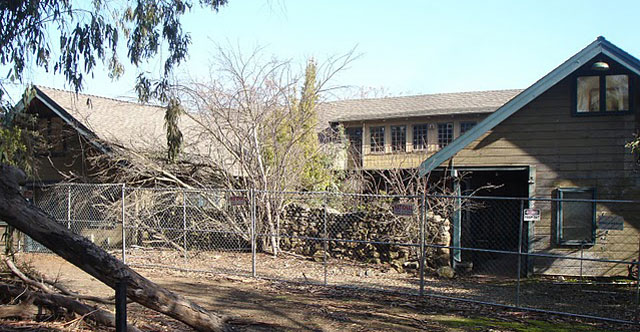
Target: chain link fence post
[(457, 220), (184, 227), (581, 264), (69, 207), (124, 232), (276, 248), (252, 195), (325, 236), (423, 222), (121, 305), (519, 270)]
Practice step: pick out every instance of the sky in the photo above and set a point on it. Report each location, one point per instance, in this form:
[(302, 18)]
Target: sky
[(403, 47)]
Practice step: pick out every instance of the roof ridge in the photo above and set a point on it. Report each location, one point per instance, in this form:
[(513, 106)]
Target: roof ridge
[(138, 103), (425, 94)]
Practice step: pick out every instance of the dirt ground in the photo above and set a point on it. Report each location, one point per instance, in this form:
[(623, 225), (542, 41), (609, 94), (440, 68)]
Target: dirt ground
[(604, 298), (259, 305)]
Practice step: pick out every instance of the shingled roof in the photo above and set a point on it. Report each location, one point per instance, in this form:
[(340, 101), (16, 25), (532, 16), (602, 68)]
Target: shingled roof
[(141, 126), (417, 106), (106, 122), (129, 124)]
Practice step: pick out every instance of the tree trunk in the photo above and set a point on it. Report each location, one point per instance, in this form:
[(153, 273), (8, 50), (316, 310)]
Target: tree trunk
[(79, 251)]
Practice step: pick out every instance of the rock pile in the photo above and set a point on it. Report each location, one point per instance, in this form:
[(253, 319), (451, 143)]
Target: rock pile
[(372, 235), (438, 233)]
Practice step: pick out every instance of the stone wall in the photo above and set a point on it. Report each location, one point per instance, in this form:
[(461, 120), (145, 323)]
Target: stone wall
[(356, 235)]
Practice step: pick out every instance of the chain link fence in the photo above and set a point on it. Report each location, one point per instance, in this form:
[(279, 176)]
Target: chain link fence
[(196, 230), (575, 255), (90, 210)]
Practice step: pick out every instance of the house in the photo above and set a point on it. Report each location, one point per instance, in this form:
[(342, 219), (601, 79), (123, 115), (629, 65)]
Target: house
[(85, 136), (383, 133), (400, 132), (71, 133), (562, 138), (77, 126)]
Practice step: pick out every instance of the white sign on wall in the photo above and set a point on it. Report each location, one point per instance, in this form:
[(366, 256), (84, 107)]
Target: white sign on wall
[(531, 215), (615, 223)]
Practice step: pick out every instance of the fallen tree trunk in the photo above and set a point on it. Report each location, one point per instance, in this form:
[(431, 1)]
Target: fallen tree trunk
[(79, 251), (24, 310)]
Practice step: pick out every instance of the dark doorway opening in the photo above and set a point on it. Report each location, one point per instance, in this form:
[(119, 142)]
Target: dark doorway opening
[(493, 224)]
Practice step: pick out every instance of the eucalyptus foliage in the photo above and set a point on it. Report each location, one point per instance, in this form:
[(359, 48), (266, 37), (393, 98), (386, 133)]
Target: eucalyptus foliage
[(174, 136), (18, 138), (71, 37)]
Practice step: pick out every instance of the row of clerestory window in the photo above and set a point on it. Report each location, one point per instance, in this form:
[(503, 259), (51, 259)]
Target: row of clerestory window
[(398, 135)]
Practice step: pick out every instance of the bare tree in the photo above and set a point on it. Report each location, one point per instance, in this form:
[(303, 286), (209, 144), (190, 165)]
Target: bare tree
[(253, 124), (258, 122)]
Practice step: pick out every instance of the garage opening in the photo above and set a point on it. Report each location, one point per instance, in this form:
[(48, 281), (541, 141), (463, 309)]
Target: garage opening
[(493, 224)]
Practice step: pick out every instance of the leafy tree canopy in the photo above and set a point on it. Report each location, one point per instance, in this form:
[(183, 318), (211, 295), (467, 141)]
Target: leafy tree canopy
[(92, 31)]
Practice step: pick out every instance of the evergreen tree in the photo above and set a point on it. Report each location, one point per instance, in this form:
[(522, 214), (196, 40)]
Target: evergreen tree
[(316, 164)]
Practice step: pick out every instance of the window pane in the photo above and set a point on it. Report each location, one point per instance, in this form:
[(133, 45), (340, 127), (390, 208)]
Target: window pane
[(420, 134), (377, 139), (398, 138), (577, 217), (588, 94), (445, 134), (617, 92), (355, 141), (465, 126)]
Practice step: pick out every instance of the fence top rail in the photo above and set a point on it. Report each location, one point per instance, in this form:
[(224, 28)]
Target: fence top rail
[(333, 193), (188, 190), (75, 184), (547, 199), (121, 185)]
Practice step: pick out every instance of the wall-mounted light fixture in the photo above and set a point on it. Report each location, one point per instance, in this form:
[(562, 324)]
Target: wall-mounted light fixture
[(600, 66)]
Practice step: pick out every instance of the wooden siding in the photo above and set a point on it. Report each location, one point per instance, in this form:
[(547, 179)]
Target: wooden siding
[(570, 151), (410, 158), (66, 149)]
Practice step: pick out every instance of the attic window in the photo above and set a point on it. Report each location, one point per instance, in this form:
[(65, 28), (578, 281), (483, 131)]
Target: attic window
[(602, 94)]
